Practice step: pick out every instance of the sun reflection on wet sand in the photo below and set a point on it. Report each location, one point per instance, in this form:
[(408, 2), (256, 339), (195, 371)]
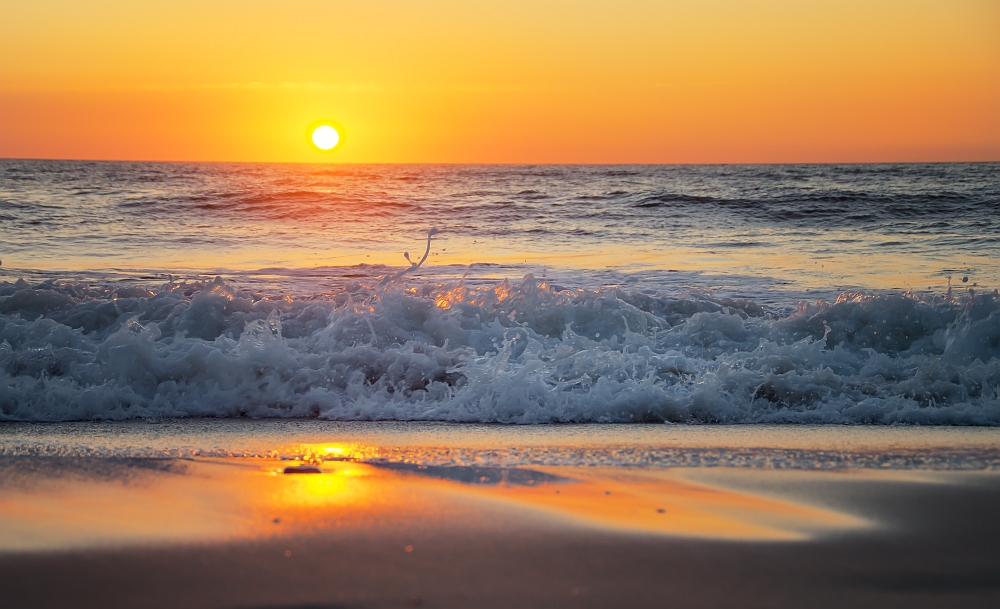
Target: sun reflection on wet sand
[(209, 500), (641, 502)]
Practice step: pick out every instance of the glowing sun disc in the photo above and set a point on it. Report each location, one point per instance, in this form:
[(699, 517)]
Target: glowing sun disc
[(325, 137)]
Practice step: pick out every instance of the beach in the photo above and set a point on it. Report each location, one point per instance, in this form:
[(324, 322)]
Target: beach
[(328, 305), (676, 412), (139, 518)]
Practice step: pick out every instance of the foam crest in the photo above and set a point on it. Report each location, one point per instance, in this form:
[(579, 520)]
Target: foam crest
[(526, 352)]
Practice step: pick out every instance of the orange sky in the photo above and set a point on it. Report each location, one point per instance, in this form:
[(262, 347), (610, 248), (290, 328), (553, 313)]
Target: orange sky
[(533, 81)]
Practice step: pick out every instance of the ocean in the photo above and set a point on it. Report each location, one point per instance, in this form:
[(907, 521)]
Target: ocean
[(819, 294)]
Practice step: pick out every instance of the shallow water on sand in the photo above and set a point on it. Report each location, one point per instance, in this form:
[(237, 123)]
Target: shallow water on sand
[(202, 512), (808, 447), (83, 485), (71, 504)]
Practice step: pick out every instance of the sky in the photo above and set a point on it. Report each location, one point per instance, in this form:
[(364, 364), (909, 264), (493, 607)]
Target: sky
[(533, 81)]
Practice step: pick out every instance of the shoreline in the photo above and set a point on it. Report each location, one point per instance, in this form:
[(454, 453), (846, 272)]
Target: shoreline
[(437, 443), (238, 533)]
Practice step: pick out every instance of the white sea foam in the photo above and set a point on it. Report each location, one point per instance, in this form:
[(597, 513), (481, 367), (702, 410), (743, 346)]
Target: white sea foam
[(512, 353)]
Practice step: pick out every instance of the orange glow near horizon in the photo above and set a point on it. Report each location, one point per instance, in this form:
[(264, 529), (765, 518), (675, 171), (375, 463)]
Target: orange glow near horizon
[(633, 81)]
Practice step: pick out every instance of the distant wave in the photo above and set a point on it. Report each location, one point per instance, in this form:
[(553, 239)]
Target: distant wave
[(525, 352), (99, 214), (842, 208)]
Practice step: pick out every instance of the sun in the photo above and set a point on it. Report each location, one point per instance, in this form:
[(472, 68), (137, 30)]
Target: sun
[(325, 137)]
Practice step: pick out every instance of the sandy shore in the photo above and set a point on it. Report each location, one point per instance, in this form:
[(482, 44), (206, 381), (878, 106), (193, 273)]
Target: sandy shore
[(207, 531)]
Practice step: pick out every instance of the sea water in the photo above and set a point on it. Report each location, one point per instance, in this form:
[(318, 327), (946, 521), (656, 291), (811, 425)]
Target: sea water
[(860, 294)]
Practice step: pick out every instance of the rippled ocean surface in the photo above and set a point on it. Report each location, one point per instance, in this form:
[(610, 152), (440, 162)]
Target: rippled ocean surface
[(783, 294)]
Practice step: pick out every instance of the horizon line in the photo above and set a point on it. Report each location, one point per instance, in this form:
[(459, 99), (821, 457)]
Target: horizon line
[(508, 163)]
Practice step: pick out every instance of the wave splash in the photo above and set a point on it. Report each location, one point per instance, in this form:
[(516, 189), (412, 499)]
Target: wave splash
[(529, 352)]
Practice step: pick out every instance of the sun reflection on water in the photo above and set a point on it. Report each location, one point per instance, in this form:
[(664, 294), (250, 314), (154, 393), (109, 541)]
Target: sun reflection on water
[(333, 486), (318, 453), (244, 498)]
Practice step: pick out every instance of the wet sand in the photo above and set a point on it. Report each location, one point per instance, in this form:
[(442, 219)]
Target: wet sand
[(235, 532), (897, 540)]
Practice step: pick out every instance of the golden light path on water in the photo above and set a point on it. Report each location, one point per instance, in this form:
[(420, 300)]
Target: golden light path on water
[(844, 270)]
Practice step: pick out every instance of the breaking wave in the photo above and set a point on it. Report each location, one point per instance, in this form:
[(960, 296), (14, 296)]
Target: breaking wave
[(526, 352)]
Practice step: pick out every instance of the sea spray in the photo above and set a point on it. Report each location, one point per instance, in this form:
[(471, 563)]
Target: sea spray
[(521, 352)]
